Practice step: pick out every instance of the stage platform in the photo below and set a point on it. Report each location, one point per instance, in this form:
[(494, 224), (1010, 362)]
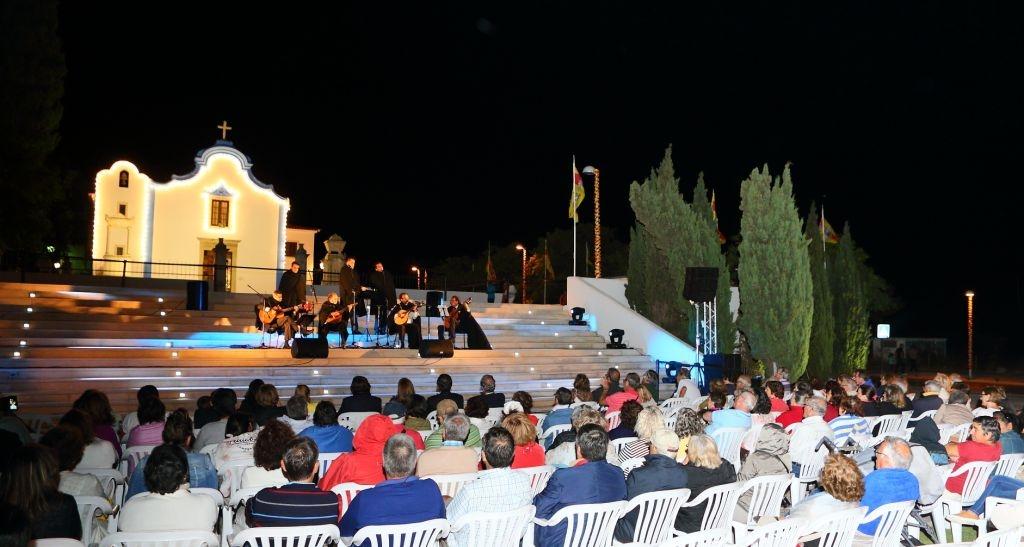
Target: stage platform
[(114, 339)]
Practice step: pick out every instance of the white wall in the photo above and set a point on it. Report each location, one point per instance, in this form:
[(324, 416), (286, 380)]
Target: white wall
[(607, 308)]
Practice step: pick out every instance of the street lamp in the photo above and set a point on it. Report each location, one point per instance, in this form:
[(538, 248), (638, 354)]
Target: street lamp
[(523, 287), (970, 333), (590, 170), (417, 270)]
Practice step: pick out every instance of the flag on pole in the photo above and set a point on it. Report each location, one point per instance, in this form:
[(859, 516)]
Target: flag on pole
[(576, 198), (714, 214), (828, 235)]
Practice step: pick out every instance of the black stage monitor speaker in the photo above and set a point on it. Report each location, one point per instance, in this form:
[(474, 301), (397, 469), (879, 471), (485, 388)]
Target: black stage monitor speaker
[(197, 295), (310, 348), (437, 348), (701, 284), (434, 303)]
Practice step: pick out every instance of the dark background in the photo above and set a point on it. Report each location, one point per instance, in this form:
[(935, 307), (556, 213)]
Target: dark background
[(905, 117)]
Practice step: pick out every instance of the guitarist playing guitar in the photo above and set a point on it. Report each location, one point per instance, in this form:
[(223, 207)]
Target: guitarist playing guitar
[(273, 315), (333, 316), (451, 321)]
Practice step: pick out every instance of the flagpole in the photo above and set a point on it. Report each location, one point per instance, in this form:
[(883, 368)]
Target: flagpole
[(574, 219), (547, 260), (824, 255)]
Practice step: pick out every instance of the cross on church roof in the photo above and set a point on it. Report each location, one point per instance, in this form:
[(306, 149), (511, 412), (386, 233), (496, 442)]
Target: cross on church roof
[(224, 128)]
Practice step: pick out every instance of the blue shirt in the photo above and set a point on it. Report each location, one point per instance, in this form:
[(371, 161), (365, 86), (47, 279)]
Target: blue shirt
[(729, 417), (294, 504), (394, 501), (1012, 442), (883, 486), (201, 474), (592, 482), (329, 438), (562, 416)]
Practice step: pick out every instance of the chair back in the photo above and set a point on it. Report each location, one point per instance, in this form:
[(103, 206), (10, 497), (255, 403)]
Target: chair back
[(1008, 465), (432, 418), (420, 534), (695, 403), (588, 524), (891, 517), (721, 504), (783, 533), (617, 445), (961, 431), (904, 419), (131, 457), (451, 484), (766, 493), (728, 441), (836, 529), (613, 419), (540, 420), (977, 478), (705, 538), (88, 508), (553, 431), (326, 459), (538, 476), (233, 472), (55, 542), (1009, 537), (346, 492), (288, 536), (629, 465), (921, 416), (657, 514), (352, 420), (670, 420), (198, 538), (888, 425), (499, 529), (213, 493), (111, 480), (672, 405)]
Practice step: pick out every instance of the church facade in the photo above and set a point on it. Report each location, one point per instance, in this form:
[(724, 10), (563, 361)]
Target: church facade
[(169, 229)]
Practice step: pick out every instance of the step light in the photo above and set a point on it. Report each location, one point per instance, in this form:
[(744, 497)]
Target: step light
[(29, 310), (160, 300), (22, 343), (181, 395), (17, 354), (31, 295), (165, 328), (174, 355), (163, 313), (25, 325), (177, 373)]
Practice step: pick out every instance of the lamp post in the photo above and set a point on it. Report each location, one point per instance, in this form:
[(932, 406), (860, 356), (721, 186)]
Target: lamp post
[(597, 217), (417, 270), (970, 333), (523, 287)]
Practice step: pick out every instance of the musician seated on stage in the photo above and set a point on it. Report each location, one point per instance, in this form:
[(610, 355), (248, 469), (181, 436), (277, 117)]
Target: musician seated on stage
[(279, 319), (332, 318), (406, 320), (452, 322)]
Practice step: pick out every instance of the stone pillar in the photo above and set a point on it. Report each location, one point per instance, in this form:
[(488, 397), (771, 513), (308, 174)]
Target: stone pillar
[(334, 260), (220, 262)]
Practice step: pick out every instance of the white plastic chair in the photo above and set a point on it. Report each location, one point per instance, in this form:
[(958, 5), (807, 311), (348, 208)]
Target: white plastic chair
[(1001, 538), (904, 419), (199, 538), (777, 534), (835, 529), (326, 459), (111, 480), (811, 464), (131, 457), (552, 432), (705, 538), (656, 515), (236, 503), (977, 474), (352, 420), (451, 484), (346, 492), (766, 496), (1008, 465), (288, 536), (55, 542), (432, 418), (672, 405), (728, 441), (90, 507), (721, 505), (617, 445), (538, 476), (233, 472), (992, 502), (420, 534), (629, 465), (587, 525), (961, 432), (695, 403), (613, 419), (923, 415), (892, 518), (500, 529), (540, 420), (889, 424)]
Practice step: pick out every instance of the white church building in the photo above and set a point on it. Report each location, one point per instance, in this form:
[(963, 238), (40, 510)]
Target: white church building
[(169, 229)]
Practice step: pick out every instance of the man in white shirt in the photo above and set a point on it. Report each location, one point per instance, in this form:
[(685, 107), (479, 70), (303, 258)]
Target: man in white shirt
[(498, 488), (808, 433), (168, 506), (686, 388)]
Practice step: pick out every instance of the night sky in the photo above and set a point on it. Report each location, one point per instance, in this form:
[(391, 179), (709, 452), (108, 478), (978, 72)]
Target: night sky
[(422, 131)]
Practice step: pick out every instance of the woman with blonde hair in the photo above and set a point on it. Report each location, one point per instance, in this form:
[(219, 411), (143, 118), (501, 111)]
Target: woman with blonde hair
[(528, 453), (705, 468), (688, 423), (648, 421), (947, 385), (992, 398), (843, 487)]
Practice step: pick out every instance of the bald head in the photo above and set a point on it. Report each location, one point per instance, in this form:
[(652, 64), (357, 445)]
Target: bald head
[(893, 453), (745, 401)]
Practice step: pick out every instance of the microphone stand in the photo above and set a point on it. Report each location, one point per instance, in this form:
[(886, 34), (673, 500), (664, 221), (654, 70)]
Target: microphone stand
[(263, 304)]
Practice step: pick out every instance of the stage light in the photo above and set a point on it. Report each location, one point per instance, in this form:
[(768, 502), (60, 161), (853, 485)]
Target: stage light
[(25, 325), (883, 331), (177, 373), (22, 343), (29, 310), (615, 335), (577, 316), (671, 370)]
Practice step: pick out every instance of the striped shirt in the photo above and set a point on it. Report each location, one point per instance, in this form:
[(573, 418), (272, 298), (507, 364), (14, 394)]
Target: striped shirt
[(846, 425), (294, 504)]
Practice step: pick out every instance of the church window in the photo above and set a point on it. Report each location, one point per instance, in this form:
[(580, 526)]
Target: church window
[(122, 180), (219, 213), (290, 247), (122, 209), (119, 251)]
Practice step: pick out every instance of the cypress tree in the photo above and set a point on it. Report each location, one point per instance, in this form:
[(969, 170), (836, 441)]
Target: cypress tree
[(776, 292), (635, 287), (823, 338), (850, 305)]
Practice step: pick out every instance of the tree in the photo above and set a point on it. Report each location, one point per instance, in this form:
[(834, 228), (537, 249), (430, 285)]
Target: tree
[(850, 305), (823, 336), (775, 278), (711, 256), (32, 84), (649, 284)]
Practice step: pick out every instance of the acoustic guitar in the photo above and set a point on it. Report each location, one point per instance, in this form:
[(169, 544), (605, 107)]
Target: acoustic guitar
[(403, 316), (451, 322), (268, 315)]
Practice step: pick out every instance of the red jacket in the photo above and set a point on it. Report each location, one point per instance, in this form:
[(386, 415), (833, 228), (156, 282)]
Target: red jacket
[(365, 465), (793, 415)]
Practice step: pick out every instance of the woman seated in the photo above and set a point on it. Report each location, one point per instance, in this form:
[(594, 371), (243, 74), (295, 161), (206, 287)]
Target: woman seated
[(648, 421), (30, 483), (416, 418), (705, 468), (178, 431), (235, 449), (526, 401), (992, 400), (770, 457), (151, 416), (627, 421), (267, 454), (528, 453), (842, 486), (168, 505), (406, 394), (99, 453), (325, 431), (477, 411), (688, 424), (849, 424), (267, 406), (67, 446), (97, 406)]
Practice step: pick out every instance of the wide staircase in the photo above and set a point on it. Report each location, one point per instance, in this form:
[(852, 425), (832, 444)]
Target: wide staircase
[(58, 340)]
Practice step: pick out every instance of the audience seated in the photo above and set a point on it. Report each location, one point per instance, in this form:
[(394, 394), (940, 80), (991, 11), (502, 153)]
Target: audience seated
[(363, 464), (770, 457), (97, 406), (659, 472), (648, 421), (591, 479), (68, 449), (477, 412), (168, 505), (927, 454), (224, 401), (178, 431), (446, 409), (956, 412), (525, 400), (267, 454), (563, 451), (760, 415), (893, 401), (834, 393), (99, 453), (842, 487), (686, 389), (249, 404), (806, 435), (652, 383), (983, 446), (487, 393), (796, 406), (325, 431), (297, 501), (416, 418), (926, 435), (389, 501), (627, 420), (406, 394), (776, 393), (528, 453), (396, 411), (738, 416), (849, 424), (132, 418), (302, 390), (496, 489), (151, 416), (30, 484), (238, 445), (444, 391), (615, 400), (705, 468), (360, 400), (581, 393), (891, 481), (560, 413), (296, 414), (688, 424), (267, 405), (609, 385), (992, 400), (999, 486), (453, 456), (1009, 439)]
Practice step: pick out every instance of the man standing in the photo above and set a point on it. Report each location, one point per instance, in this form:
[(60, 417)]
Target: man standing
[(348, 289), (300, 502), (292, 286), (383, 286)]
